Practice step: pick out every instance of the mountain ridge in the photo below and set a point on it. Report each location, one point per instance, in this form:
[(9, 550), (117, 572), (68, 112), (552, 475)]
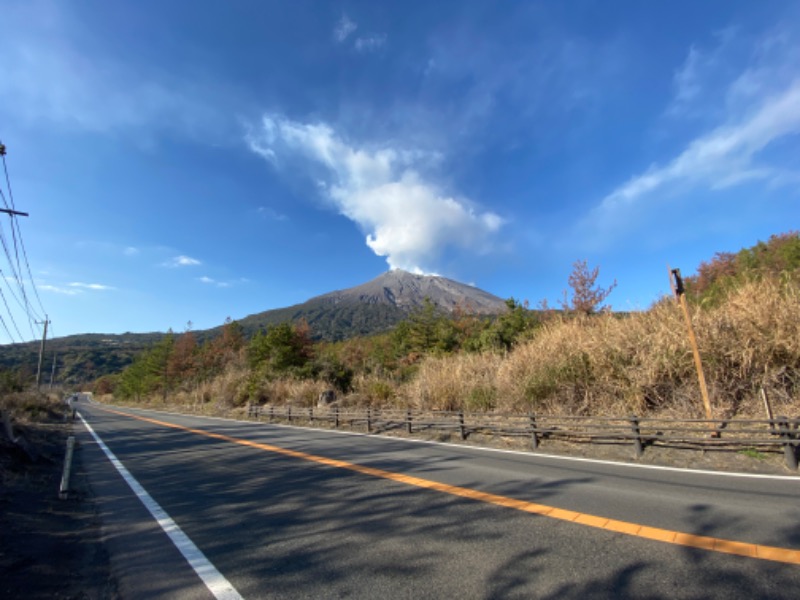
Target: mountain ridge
[(408, 291), (369, 308), (377, 305)]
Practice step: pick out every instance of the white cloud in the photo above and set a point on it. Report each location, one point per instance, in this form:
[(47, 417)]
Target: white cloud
[(407, 218), (182, 261), (687, 81), (90, 286), (214, 282), (59, 290), (344, 27), (757, 101), (221, 284), (74, 288), (724, 157), (370, 42), (701, 75), (270, 213), (130, 251)]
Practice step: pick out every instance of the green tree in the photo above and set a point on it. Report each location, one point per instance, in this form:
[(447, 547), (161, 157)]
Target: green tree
[(281, 348), (423, 325), (509, 327), (158, 374), (149, 372), (133, 380), (10, 381)]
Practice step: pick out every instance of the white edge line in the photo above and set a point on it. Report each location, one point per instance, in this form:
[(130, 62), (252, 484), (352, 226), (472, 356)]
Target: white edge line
[(555, 457), (215, 581)]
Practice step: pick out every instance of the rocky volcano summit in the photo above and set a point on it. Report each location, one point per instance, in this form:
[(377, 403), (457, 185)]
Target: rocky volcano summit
[(378, 305), (408, 291)]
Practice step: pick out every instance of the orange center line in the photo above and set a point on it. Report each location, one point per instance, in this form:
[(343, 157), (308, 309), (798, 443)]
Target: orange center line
[(772, 553)]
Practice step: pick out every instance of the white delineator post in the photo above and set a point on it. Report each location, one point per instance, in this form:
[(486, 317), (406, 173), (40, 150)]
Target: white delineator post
[(64, 488)]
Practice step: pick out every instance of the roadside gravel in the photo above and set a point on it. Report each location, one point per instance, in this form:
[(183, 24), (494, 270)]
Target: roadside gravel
[(49, 548)]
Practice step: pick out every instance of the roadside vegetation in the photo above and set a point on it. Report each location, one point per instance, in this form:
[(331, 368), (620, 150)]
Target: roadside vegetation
[(29, 407), (578, 359)]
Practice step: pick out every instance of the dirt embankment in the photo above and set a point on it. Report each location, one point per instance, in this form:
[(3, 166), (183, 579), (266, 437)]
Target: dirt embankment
[(49, 548)]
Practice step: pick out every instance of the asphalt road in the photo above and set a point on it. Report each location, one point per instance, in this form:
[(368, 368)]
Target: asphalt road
[(281, 526)]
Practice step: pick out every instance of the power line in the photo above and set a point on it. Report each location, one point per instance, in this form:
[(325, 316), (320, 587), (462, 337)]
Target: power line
[(15, 263), (11, 315), (16, 277), (28, 267), (12, 210), (3, 322), (15, 225)]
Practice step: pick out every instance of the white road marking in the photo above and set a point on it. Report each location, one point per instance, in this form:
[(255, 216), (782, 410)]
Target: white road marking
[(215, 581)]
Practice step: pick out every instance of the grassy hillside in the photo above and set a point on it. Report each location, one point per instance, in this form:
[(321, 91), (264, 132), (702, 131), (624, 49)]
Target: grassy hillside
[(746, 314)]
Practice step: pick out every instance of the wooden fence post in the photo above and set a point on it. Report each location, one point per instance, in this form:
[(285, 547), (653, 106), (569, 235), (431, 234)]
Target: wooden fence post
[(369, 419), (768, 408), (408, 420), (289, 413), (336, 417), (311, 415), (789, 452), (271, 412), (461, 428), (637, 440), (534, 432)]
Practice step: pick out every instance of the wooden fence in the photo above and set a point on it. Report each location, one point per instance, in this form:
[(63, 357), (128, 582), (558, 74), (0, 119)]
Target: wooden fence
[(768, 435)]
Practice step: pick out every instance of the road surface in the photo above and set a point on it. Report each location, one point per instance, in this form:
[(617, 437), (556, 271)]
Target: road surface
[(284, 512)]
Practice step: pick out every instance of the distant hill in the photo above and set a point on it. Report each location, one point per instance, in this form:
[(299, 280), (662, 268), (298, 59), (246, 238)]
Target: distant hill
[(373, 307), (79, 358)]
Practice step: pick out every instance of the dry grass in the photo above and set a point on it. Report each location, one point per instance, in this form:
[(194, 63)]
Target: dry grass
[(643, 363), (606, 365), (29, 407), (285, 390), (603, 365), (464, 381), (753, 340)]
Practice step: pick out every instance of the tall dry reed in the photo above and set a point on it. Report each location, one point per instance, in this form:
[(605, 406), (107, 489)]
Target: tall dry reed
[(463, 381), (643, 362)]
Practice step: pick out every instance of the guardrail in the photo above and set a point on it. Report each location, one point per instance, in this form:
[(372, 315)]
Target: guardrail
[(768, 435)]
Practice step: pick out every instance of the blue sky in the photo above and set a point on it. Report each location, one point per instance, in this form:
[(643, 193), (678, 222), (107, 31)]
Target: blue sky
[(193, 161)]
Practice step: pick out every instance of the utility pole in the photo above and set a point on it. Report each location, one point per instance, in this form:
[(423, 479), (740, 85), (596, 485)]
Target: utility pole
[(41, 353), (13, 212), (53, 372)]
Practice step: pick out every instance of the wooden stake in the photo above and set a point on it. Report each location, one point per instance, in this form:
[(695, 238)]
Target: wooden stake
[(677, 288), (768, 408)]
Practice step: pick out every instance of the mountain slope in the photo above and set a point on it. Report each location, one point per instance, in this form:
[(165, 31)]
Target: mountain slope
[(378, 305), (407, 291)]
